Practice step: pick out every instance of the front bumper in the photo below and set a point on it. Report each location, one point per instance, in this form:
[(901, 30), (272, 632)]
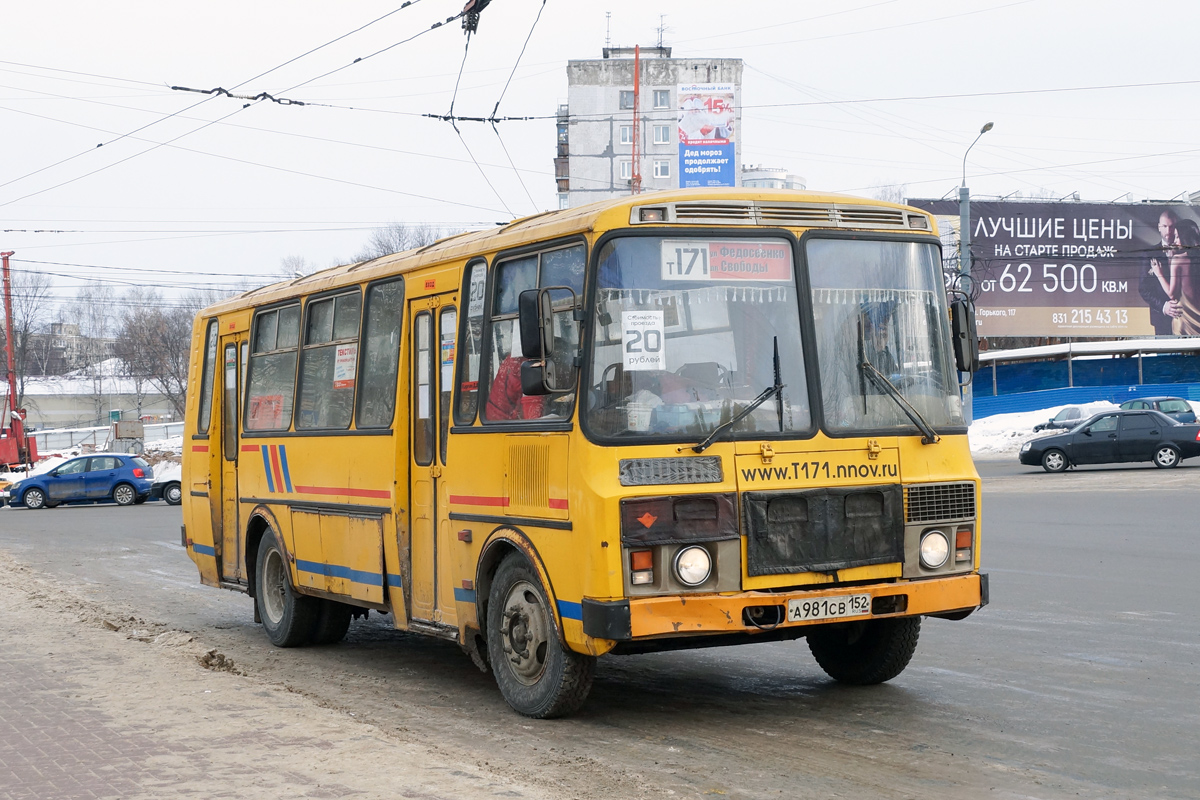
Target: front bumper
[(678, 616)]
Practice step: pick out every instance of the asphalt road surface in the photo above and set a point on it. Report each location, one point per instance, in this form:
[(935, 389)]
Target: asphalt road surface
[(1080, 679)]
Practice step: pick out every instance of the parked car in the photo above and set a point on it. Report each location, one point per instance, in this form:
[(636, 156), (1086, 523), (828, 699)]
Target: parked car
[(121, 478), (169, 491), (1176, 408), (1115, 436), (1069, 417)]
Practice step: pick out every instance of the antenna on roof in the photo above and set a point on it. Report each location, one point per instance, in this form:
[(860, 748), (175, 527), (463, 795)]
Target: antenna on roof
[(607, 29)]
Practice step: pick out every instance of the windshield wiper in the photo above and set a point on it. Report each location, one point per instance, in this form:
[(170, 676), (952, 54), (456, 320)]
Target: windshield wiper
[(763, 397), (929, 435)]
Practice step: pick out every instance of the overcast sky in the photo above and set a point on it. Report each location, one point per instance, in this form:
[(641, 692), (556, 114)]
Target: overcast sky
[(198, 190)]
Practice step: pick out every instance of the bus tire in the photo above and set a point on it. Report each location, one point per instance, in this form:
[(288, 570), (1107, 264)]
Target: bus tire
[(332, 622), (537, 676), (865, 653), (288, 618)]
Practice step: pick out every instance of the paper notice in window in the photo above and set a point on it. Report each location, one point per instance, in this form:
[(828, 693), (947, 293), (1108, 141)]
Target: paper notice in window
[(344, 366), (643, 340)]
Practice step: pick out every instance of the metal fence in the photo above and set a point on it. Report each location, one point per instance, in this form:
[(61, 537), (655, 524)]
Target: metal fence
[(101, 438)]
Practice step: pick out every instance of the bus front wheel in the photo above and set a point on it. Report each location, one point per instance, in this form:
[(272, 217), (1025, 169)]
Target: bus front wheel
[(288, 618), (537, 675), (865, 653)]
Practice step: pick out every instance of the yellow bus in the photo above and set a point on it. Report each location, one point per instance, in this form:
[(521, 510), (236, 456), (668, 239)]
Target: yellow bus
[(672, 420)]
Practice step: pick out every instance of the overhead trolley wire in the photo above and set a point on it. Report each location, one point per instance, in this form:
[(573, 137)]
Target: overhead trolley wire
[(194, 105)]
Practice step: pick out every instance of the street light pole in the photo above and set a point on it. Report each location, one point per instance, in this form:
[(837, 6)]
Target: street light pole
[(964, 252)]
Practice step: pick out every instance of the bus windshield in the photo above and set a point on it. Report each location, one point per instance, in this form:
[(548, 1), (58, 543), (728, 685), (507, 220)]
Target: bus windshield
[(686, 335), (881, 304)]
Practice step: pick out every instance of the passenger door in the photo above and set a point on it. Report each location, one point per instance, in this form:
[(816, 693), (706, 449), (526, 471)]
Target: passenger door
[(433, 322), (67, 482), (100, 475), (1140, 435), (231, 565), (1096, 444)]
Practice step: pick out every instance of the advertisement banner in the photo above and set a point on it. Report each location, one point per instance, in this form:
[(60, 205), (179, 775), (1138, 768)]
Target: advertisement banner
[(1083, 269), (707, 147)]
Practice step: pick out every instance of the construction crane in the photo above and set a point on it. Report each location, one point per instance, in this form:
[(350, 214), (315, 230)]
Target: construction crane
[(16, 448)]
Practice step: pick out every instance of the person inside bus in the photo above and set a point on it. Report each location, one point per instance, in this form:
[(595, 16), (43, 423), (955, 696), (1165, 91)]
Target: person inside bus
[(506, 401)]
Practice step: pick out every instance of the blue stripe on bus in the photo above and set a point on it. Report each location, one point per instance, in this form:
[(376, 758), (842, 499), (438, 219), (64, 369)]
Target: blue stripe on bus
[(267, 469), (395, 581), (204, 549), (287, 476), (569, 610), (338, 571), (464, 595)]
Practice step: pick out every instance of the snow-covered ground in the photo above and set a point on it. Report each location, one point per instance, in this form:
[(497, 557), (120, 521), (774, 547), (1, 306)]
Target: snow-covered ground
[(1002, 435)]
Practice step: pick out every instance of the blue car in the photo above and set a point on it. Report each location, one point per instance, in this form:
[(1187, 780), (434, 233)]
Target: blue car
[(121, 478)]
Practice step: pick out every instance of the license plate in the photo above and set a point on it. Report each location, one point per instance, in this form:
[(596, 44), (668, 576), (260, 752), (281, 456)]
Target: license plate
[(846, 605)]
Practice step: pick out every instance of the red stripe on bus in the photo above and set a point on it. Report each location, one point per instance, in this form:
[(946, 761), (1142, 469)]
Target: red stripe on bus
[(247, 448), (199, 448), (472, 500), (275, 466), (383, 494)]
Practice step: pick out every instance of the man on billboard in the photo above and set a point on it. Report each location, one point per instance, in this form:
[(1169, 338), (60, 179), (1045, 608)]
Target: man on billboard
[(1163, 308)]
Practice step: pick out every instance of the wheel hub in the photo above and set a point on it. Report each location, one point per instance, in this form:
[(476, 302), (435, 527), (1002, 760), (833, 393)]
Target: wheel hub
[(525, 633), (274, 587)]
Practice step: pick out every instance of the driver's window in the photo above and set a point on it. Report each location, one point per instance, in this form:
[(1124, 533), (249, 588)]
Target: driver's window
[(72, 467), (1104, 424), (563, 266)]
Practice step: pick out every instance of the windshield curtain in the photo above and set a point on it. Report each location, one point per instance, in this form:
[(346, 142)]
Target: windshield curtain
[(881, 303), (685, 335)]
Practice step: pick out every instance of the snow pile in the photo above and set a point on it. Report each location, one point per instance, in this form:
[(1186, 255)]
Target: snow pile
[(1003, 434)]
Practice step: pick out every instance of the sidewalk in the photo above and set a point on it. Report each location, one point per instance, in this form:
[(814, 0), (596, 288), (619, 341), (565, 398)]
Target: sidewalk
[(89, 712)]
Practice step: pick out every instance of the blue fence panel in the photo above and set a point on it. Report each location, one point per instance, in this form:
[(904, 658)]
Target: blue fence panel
[(986, 406)]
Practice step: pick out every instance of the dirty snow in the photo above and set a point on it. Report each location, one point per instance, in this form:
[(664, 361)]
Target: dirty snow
[(1002, 435)]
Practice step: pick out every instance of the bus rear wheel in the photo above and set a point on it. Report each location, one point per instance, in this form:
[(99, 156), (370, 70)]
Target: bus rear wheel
[(288, 618), (332, 622), (865, 653), (536, 674)]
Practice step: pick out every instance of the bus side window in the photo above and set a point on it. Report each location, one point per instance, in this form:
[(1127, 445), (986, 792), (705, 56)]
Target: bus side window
[(329, 362), (446, 353), (423, 428), (271, 385), (206, 378), (471, 339), (381, 354)]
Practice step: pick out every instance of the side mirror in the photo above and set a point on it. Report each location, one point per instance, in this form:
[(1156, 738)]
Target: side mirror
[(966, 340), (1086, 431), (536, 322), (535, 319)]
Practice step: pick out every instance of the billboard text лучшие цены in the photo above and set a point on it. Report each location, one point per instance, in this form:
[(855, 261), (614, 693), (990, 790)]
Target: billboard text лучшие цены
[(1082, 269)]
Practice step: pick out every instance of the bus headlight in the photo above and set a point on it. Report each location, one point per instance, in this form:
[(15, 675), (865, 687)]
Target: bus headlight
[(935, 549), (693, 565)]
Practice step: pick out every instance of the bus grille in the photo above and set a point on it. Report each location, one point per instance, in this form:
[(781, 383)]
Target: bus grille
[(809, 215), (938, 501)]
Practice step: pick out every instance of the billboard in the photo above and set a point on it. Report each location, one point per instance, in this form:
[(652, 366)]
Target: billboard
[(707, 148), (1083, 269)]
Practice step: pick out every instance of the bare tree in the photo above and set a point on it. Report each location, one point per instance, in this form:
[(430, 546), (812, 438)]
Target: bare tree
[(31, 300), (892, 193), (295, 266), (94, 310), (396, 238), (156, 339)]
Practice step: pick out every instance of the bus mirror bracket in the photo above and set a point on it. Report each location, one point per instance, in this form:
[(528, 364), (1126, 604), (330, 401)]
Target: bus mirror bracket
[(966, 339)]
